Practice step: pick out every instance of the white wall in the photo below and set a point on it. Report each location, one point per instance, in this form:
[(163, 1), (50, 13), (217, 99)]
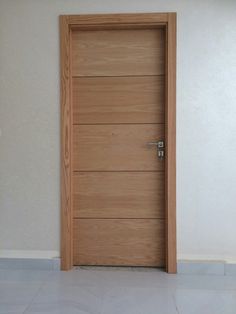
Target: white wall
[(30, 129)]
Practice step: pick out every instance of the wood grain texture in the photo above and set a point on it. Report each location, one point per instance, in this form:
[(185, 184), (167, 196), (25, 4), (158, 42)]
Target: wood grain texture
[(135, 242), (118, 52), (118, 195), (66, 213), (118, 99), (116, 147), (112, 20), (170, 129)]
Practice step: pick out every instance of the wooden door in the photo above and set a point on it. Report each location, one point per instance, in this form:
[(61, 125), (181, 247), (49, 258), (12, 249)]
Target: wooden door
[(118, 88), (118, 95)]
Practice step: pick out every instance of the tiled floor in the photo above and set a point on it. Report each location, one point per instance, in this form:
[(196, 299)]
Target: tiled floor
[(109, 291)]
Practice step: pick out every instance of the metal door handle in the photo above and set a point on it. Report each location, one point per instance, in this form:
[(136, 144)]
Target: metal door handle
[(159, 144), (152, 143)]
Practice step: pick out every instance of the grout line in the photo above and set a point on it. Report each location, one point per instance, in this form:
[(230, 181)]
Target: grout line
[(35, 296), (175, 304)]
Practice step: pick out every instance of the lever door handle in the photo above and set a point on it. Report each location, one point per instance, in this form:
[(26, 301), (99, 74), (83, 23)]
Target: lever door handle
[(153, 143), (159, 144)]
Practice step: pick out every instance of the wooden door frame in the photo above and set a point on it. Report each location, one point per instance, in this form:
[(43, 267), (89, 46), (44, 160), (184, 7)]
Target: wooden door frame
[(116, 21)]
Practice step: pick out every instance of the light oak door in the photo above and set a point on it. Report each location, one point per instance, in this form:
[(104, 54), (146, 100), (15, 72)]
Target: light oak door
[(118, 95)]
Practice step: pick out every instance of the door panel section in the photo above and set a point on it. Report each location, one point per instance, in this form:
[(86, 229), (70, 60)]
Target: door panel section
[(124, 242), (133, 99), (116, 147), (118, 52), (118, 195)]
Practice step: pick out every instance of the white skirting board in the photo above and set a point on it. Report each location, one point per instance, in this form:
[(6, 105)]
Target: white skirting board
[(199, 267), (30, 263), (47, 262), (34, 260)]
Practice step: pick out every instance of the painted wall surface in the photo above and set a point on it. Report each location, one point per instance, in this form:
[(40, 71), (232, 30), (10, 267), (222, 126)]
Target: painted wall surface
[(30, 123)]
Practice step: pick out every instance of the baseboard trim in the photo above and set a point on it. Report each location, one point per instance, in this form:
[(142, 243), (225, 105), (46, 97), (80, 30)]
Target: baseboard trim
[(195, 267), (30, 263)]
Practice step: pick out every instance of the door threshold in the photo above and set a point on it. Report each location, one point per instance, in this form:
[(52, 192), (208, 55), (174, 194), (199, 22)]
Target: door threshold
[(119, 268)]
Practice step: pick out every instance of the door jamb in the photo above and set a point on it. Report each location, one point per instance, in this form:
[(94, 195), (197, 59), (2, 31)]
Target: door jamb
[(114, 21)]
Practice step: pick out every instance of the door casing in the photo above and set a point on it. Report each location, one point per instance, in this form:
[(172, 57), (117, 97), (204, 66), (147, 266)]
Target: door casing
[(118, 21)]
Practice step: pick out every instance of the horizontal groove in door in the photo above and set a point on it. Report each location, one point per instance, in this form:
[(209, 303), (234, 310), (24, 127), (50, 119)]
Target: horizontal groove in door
[(116, 147), (118, 100), (110, 76), (112, 123), (118, 218), (118, 195), (121, 171), (121, 242), (118, 52), (119, 26)]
